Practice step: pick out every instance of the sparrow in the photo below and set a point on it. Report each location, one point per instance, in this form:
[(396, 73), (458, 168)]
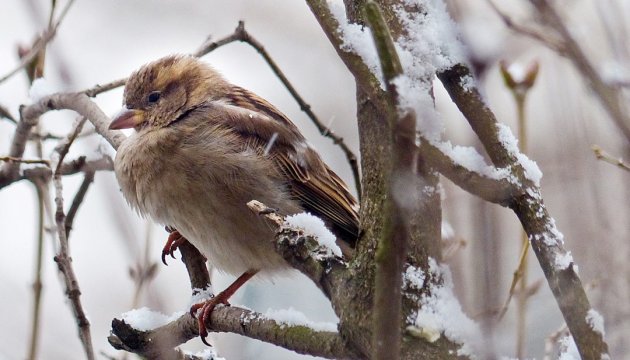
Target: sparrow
[(201, 150)]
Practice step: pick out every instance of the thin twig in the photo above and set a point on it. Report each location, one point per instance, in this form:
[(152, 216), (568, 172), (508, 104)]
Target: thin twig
[(42, 193), (5, 114), (88, 179), (63, 259), (600, 154), (609, 97), (40, 44), (608, 93), (144, 270), (98, 89), (515, 277), (25, 161), (70, 168), (555, 44)]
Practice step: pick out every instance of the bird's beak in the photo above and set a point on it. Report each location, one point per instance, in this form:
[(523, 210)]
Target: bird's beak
[(127, 119)]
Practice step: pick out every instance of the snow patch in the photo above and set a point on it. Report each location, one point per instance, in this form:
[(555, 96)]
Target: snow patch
[(144, 319), (563, 260), (469, 158), (596, 321), (413, 278), (312, 225), (201, 295), (357, 39), (431, 44), (205, 354), (292, 317), (441, 313), (532, 171), (468, 83), (415, 94)]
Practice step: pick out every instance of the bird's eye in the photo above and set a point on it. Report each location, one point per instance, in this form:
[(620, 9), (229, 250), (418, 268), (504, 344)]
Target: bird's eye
[(153, 97)]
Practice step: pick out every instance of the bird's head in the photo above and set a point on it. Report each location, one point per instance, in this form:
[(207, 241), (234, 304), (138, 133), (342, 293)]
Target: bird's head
[(162, 92)]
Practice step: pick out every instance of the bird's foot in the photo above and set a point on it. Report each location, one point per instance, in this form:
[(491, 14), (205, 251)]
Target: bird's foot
[(206, 310), (175, 239), (222, 298)]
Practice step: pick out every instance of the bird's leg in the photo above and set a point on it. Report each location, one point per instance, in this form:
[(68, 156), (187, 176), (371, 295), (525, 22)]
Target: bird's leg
[(175, 239), (221, 298)]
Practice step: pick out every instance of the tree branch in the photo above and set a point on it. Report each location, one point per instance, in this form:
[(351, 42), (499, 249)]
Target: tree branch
[(40, 44), (70, 168), (392, 246), (609, 96), (364, 77), (498, 191), (98, 89), (302, 251), (88, 179), (63, 259), (546, 240), (160, 342), (29, 116)]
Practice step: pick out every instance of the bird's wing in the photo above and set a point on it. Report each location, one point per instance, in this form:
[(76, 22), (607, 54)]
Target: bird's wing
[(311, 182)]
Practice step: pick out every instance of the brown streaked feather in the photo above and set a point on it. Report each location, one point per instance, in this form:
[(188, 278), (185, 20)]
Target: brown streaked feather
[(311, 182)]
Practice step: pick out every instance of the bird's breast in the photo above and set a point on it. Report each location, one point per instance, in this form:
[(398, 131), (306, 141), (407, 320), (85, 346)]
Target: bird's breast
[(202, 190)]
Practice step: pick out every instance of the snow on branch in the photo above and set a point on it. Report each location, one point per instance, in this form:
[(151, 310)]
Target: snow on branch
[(136, 332), (439, 313), (302, 248)]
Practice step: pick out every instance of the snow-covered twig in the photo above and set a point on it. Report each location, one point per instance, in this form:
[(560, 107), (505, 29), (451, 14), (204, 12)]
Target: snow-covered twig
[(162, 340), (302, 250), (366, 80), (547, 242), (496, 190)]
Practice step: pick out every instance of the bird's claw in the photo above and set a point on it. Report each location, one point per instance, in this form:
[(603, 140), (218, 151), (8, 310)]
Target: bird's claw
[(175, 239), (206, 311)]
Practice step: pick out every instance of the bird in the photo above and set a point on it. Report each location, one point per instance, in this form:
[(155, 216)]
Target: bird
[(204, 147)]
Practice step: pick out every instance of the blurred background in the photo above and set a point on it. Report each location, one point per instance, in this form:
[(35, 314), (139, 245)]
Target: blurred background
[(102, 41)]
